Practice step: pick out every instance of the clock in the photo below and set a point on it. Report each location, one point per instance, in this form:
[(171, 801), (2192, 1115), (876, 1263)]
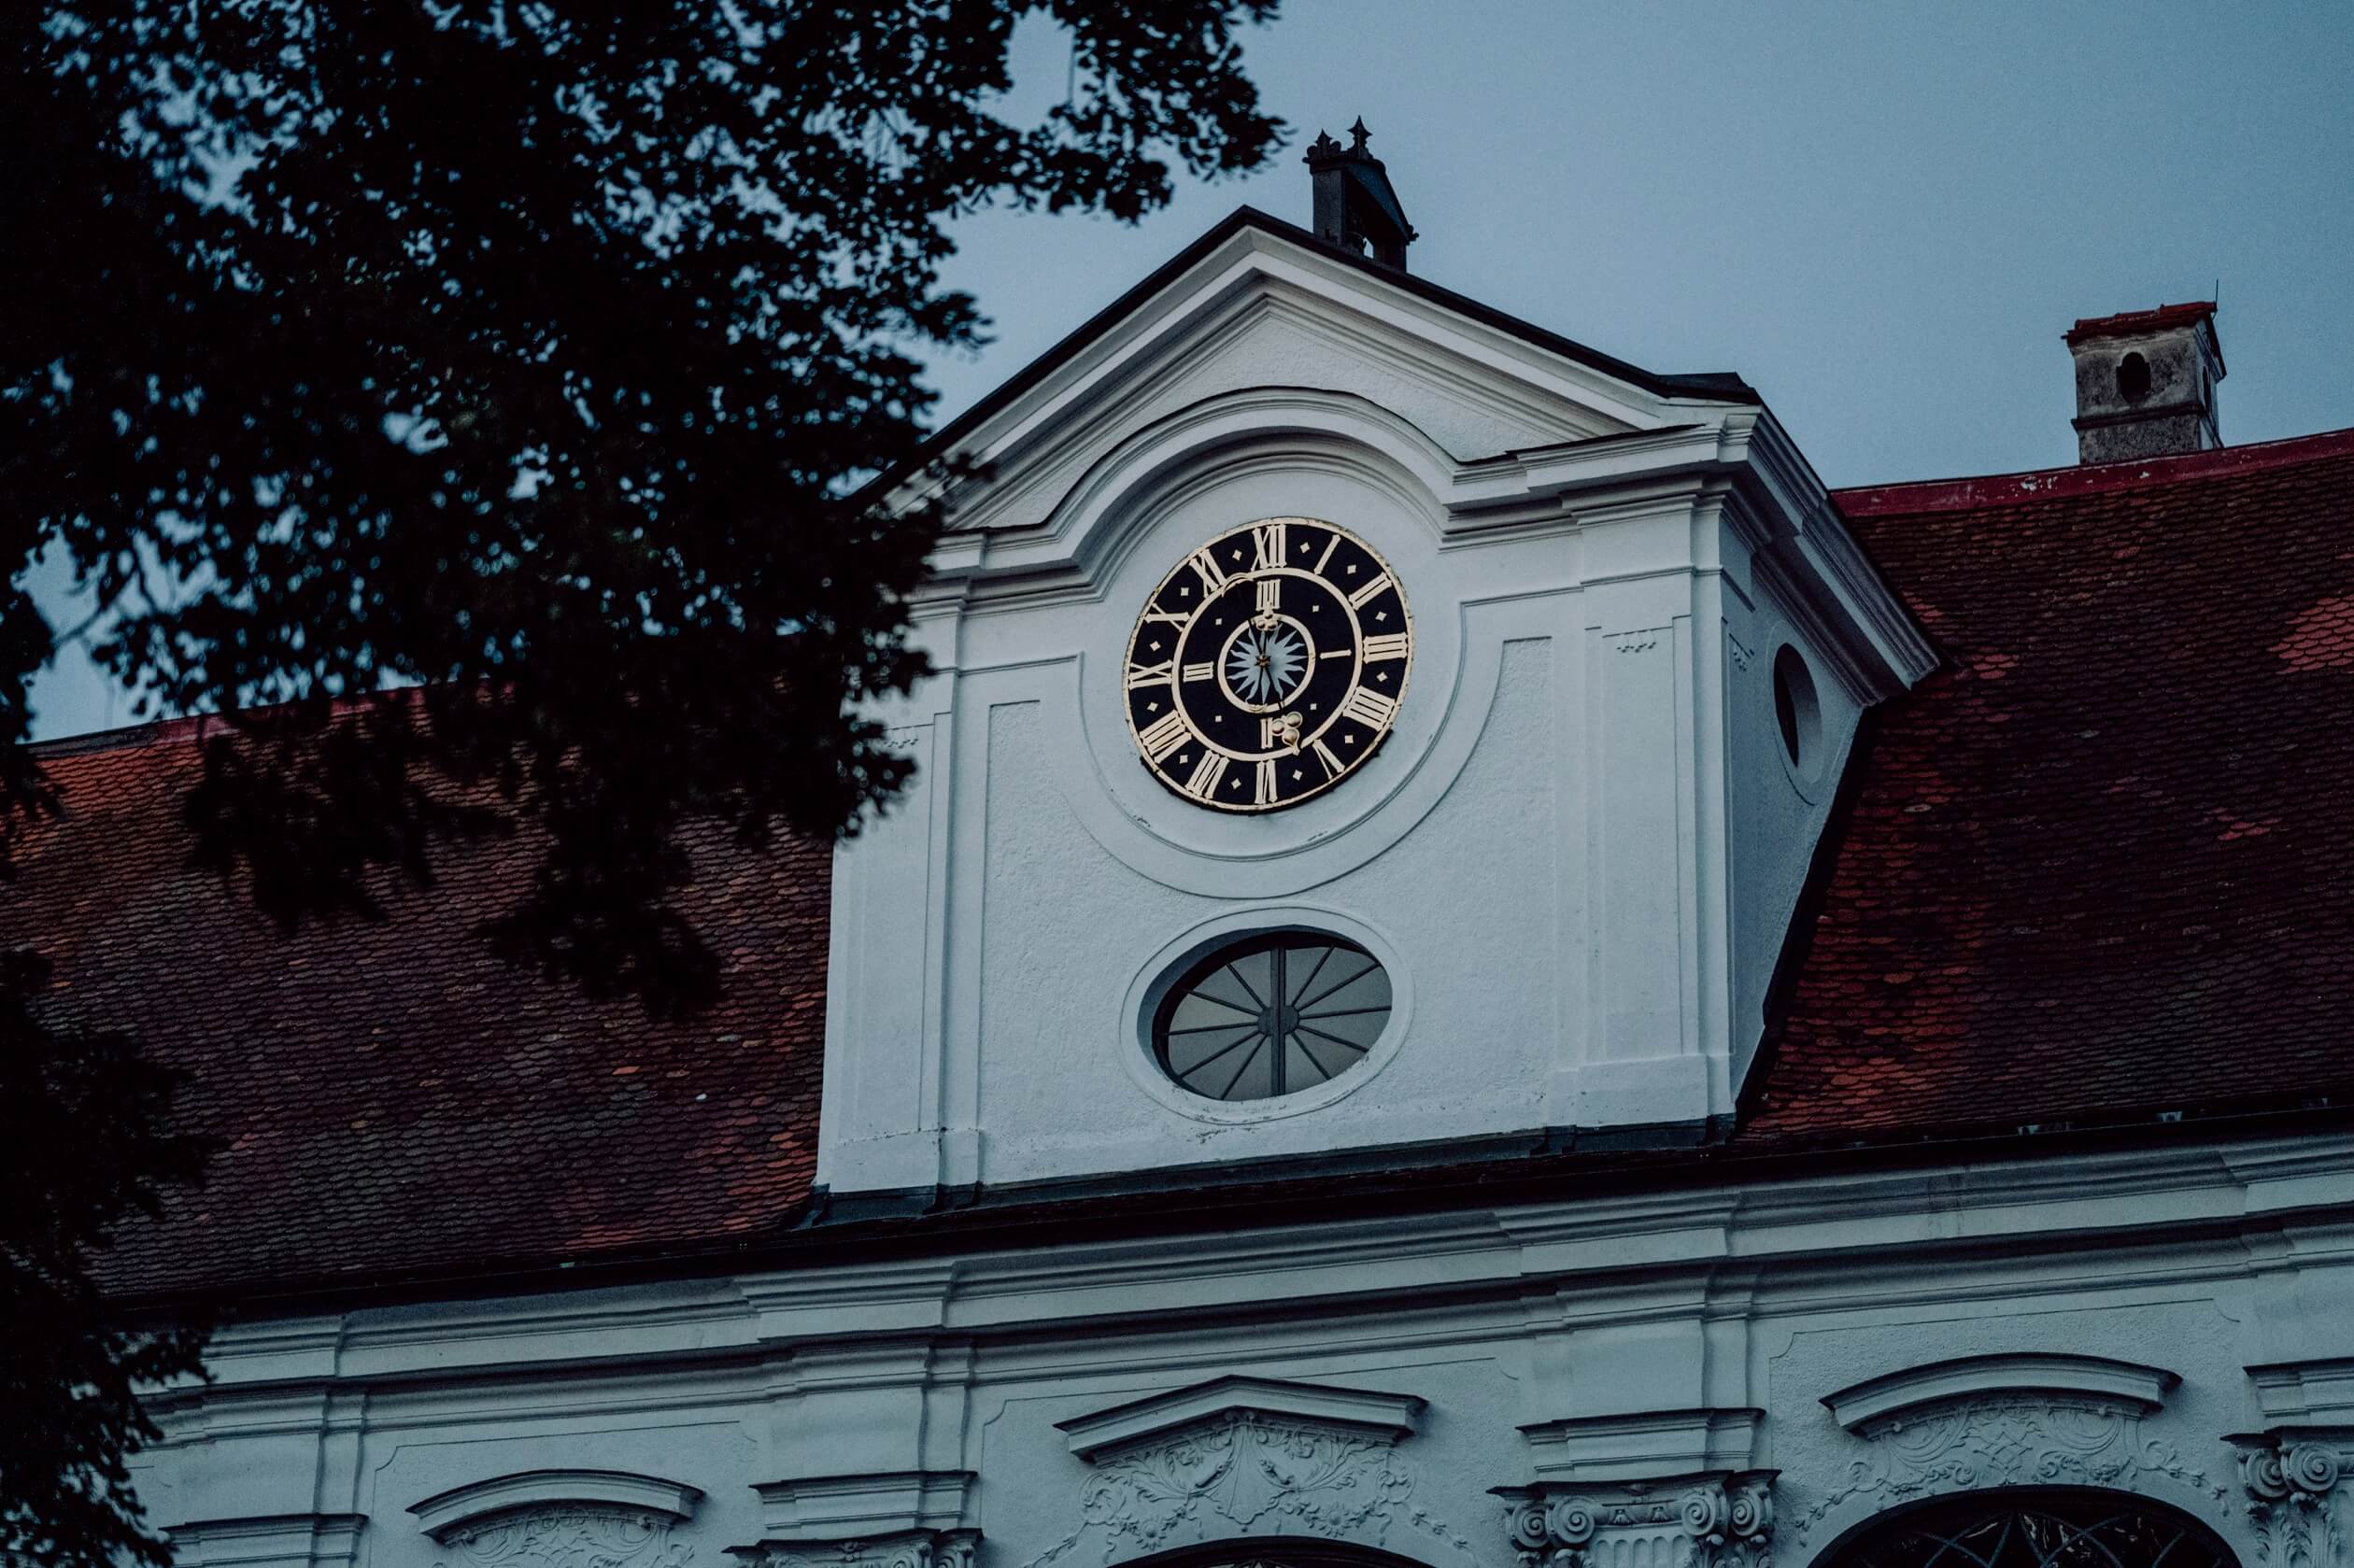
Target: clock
[(1268, 665)]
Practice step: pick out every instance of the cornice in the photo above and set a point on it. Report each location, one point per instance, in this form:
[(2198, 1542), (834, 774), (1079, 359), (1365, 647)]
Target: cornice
[(1866, 1406), (2306, 1393), (1812, 1230), (1738, 457), (313, 1538), (865, 1507), (1643, 1446), (444, 1512)]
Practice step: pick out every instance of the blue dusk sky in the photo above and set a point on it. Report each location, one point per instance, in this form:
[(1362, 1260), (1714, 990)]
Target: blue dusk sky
[(1884, 215)]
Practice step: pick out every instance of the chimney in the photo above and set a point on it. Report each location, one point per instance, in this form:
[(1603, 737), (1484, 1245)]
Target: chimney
[(2146, 383), (1355, 208)]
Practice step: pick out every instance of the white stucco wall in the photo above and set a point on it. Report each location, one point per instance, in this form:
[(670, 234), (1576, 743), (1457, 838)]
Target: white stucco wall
[(752, 1407), (1578, 852)]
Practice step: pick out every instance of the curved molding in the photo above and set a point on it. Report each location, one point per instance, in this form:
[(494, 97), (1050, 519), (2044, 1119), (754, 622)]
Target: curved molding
[(2002, 1439), (2127, 1385), (1099, 516), (448, 1511)]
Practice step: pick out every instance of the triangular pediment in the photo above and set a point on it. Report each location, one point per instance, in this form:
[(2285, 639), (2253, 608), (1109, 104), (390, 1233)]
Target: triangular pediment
[(1256, 304), (1162, 1417)]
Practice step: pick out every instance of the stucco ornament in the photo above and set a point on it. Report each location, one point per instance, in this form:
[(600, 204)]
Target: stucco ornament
[(1248, 1470), (1725, 1522), (2294, 1490), (568, 1535), (2008, 1440)]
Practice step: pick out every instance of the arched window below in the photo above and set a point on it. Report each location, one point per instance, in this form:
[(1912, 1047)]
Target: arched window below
[(2040, 1528)]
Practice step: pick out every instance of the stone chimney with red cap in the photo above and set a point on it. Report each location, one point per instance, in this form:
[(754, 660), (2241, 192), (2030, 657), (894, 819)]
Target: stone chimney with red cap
[(2146, 383)]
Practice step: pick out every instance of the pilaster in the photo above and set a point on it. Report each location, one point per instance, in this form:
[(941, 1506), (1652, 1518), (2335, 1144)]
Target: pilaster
[(2295, 1479), (1663, 1488), (1723, 1519)]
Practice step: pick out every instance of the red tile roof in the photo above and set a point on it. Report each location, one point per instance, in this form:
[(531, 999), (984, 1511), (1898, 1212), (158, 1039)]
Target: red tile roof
[(394, 1099), (2103, 861), (2128, 322), (2096, 868)]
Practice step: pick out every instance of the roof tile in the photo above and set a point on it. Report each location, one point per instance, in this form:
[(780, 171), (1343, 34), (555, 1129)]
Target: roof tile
[(2097, 867)]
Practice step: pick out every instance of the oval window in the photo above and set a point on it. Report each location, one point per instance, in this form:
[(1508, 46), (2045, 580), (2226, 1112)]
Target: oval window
[(1797, 712), (1270, 1016)]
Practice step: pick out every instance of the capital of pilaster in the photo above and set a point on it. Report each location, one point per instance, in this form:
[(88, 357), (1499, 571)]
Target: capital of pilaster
[(2294, 1477), (907, 1548), (1719, 1519)]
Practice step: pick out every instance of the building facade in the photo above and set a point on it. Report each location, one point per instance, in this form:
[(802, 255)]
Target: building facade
[(1477, 972)]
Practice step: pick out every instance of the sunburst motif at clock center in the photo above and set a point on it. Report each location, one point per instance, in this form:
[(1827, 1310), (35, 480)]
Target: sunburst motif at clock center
[(1268, 665)]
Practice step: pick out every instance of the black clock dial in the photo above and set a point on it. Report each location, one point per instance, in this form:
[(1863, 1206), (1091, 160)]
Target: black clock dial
[(1268, 665)]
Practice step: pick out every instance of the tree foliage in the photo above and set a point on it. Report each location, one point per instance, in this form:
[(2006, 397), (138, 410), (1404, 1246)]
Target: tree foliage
[(468, 401), (82, 1146), (472, 396)]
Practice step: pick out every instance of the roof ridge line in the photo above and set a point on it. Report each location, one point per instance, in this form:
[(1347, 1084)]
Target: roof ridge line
[(2043, 483)]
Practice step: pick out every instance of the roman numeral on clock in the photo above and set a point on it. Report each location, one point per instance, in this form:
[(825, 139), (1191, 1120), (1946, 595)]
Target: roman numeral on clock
[(1204, 785), (1368, 707), (1163, 736), (1331, 645), (1268, 540)]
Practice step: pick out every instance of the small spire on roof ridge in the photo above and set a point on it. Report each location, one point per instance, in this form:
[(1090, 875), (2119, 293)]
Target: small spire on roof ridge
[(1355, 208)]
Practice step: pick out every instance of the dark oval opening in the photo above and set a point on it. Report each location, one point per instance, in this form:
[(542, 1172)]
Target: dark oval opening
[(2132, 379), (1797, 712), (1272, 1014)]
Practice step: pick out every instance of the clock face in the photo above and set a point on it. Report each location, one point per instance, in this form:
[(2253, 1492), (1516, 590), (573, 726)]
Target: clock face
[(1268, 665)]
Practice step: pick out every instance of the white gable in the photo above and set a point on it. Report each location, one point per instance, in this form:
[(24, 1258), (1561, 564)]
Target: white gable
[(1575, 855)]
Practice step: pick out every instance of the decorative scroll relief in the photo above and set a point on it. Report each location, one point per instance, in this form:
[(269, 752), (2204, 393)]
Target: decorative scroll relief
[(2008, 1439), (1243, 1471), (1718, 1521), (911, 1548), (2295, 1486), (567, 1535)]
